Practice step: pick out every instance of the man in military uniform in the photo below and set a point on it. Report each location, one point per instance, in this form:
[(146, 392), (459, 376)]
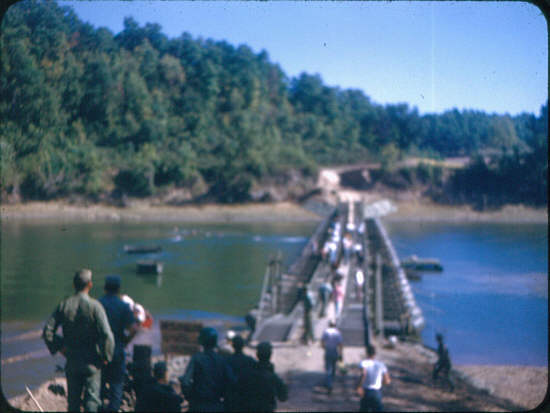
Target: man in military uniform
[(87, 342), (122, 321), (263, 386), (241, 364), (208, 376)]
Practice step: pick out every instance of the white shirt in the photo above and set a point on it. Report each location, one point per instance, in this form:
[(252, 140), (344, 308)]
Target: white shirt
[(374, 371), (359, 277)]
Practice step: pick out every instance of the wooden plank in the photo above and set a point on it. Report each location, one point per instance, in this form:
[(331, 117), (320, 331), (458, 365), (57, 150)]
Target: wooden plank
[(180, 337), (181, 325), (185, 336), (179, 348)]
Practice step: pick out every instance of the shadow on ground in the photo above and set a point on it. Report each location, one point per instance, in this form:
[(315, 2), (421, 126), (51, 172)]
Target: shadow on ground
[(412, 389)]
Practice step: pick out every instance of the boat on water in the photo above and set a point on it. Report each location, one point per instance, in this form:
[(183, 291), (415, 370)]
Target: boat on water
[(413, 263), (149, 267), (144, 249)]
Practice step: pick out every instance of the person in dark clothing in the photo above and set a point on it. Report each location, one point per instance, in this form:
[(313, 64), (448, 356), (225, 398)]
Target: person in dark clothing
[(242, 365), (124, 327), (443, 363), (208, 376), (158, 395), (325, 290), (306, 298), (250, 321), (87, 342), (263, 387)]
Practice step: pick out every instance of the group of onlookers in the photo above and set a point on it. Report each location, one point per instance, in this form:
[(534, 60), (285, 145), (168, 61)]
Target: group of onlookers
[(95, 333)]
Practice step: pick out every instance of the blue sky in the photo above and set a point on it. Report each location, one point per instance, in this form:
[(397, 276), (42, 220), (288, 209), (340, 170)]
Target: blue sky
[(490, 56)]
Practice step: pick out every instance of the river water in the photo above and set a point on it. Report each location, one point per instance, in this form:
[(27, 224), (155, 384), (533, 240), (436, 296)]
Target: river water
[(209, 271), (491, 301)]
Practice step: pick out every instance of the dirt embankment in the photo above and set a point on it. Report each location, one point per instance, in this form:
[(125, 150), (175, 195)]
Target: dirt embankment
[(477, 388), (411, 389)]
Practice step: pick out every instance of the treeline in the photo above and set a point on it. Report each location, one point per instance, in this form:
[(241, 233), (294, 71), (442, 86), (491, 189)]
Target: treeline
[(87, 112)]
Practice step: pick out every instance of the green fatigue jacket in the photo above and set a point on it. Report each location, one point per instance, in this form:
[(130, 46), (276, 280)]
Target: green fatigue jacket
[(87, 336)]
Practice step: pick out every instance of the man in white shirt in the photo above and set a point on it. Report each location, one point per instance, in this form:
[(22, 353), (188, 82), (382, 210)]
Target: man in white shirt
[(374, 375), (332, 343)]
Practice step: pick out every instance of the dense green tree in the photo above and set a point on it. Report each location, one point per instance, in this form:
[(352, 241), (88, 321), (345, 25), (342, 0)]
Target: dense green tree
[(87, 112)]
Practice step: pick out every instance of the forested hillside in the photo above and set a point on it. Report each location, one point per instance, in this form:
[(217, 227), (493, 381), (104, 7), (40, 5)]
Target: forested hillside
[(84, 111)]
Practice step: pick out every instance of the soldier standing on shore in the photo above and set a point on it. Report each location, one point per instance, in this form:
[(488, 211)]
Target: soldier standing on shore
[(87, 342), (121, 319), (443, 363)]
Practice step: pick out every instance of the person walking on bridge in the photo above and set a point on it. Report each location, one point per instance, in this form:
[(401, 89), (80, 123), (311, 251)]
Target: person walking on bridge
[(325, 290), (373, 376), (359, 284), (337, 295), (87, 342), (306, 297), (332, 343)]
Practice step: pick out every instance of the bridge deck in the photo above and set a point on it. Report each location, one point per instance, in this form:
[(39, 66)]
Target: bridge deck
[(356, 320)]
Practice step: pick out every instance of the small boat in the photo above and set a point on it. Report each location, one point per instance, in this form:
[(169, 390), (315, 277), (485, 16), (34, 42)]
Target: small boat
[(149, 267), (132, 249), (413, 263)]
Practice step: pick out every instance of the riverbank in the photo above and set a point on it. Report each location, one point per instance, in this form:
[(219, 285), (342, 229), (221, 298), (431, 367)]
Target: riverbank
[(477, 388), (144, 212), (412, 210), (430, 212)]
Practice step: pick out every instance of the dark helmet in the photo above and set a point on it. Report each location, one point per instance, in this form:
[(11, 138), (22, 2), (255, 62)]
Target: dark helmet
[(208, 337), (439, 337), (238, 342), (159, 370), (264, 351)]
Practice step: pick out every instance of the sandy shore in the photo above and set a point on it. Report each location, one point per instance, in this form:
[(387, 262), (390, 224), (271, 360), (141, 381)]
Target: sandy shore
[(427, 211), (277, 212), (280, 212)]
